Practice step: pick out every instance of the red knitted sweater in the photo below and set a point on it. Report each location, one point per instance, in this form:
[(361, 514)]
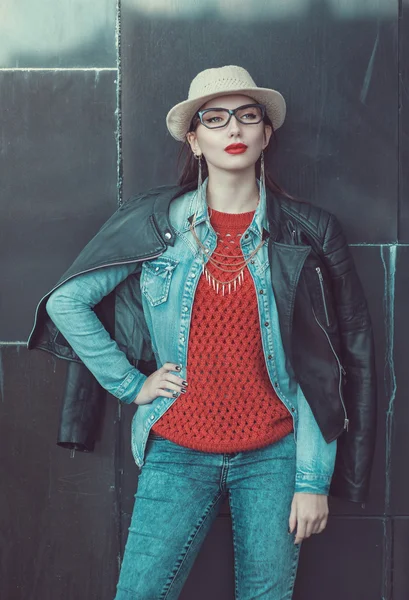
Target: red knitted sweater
[(230, 404)]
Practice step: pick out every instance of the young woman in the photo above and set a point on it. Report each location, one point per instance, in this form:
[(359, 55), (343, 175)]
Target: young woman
[(251, 306)]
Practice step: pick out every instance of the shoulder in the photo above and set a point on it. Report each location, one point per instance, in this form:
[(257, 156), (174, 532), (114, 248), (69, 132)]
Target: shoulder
[(313, 218), (145, 199), (155, 200)]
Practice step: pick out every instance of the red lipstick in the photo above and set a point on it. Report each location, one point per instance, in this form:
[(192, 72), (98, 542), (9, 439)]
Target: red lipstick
[(236, 148)]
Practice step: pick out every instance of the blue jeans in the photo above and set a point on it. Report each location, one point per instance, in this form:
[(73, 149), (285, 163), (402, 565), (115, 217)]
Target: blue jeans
[(178, 497)]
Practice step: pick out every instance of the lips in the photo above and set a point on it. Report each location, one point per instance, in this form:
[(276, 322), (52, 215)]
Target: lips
[(236, 148)]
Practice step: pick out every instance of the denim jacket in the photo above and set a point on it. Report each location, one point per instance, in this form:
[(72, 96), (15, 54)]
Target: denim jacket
[(168, 283)]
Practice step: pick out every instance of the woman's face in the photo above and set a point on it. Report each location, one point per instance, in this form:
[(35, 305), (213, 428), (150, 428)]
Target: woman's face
[(212, 143)]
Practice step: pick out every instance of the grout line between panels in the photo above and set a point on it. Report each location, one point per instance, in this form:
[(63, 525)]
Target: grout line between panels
[(1, 378), (118, 453), (380, 245), (386, 558), (118, 111), (388, 257), (398, 116), (343, 517)]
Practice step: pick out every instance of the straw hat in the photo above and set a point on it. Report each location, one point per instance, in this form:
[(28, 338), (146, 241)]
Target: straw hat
[(222, 81)]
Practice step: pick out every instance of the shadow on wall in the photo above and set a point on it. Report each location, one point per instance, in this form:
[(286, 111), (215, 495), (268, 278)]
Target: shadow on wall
[(75, 33), (259, 10), (53, 34)]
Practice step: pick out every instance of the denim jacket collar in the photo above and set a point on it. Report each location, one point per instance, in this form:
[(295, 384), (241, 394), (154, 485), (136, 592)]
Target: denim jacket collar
[(259, 224)]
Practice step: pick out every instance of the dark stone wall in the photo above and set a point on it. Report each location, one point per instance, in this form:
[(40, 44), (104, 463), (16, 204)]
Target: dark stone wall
[(84, 91)]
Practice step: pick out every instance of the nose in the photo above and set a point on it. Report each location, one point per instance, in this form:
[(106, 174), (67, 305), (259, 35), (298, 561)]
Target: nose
[(233, 127)]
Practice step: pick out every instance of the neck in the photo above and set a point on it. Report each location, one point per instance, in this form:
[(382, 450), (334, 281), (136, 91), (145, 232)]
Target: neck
[(232, 191)]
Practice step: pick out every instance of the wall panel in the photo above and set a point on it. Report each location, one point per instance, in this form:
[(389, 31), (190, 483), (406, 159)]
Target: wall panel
[(81, 127)]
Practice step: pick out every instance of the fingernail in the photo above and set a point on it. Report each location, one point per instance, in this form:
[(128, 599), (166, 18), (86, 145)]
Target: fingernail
[(184, 382), (178, 368), (174, 394), (183, 390)]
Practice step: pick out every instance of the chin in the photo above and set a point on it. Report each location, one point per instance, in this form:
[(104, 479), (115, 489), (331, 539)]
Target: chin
[(240, 161)]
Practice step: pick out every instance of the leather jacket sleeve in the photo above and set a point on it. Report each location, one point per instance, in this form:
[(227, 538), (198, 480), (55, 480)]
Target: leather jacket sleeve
[(82, 409), (356, 446)]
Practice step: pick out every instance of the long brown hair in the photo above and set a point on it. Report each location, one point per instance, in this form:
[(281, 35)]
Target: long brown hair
[(189, 172)]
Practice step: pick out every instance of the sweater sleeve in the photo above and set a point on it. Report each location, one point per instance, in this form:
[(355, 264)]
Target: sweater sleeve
[(71, 309)]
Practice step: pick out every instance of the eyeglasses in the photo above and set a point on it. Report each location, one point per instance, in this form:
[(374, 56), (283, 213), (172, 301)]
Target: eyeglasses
[(248, 114)]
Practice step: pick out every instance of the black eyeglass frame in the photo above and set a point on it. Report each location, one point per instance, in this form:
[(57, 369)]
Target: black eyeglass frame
[(231, 111)]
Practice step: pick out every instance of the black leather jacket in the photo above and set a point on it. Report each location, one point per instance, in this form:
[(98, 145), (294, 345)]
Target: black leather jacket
[(324, 321)]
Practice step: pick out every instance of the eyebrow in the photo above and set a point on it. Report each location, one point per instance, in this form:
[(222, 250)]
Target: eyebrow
[(225, 107)]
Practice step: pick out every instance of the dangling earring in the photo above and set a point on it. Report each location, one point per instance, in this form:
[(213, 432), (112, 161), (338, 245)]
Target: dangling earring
[(198, 157), (262, 175)]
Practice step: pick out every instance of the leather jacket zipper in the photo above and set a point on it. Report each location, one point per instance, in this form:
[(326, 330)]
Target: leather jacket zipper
[(321, 279), (125, 262), (341, 371)]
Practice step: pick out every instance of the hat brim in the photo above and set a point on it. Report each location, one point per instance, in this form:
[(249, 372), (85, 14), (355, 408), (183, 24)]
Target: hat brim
[(179, 117)]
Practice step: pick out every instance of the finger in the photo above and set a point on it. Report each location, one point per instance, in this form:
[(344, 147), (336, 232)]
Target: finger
[(315, 527), (322, 525), (292, 521), (300, 532), (168, 366), (174, 379), (166, 393), (317, 524), (309, 528), (174, 389), (171, 386)]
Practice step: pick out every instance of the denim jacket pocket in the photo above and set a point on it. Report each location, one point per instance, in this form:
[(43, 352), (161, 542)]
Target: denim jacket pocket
[(156, 277)]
